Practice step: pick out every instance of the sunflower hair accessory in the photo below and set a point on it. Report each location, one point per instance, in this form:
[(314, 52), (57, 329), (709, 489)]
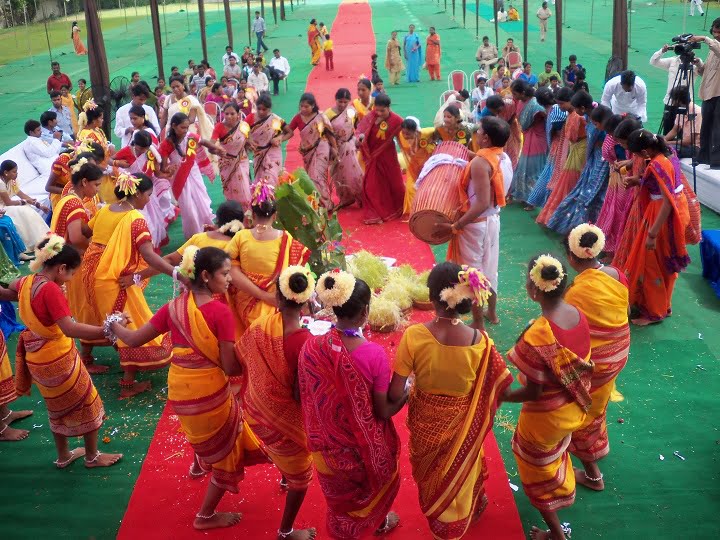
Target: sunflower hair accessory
[(334, 288), (263, 191), (187, 265), (52, 247), (575, 237), (78, 165), (287, 292), (128, 184), (90, 105), (231, 226), (472, 285), (542, 262)]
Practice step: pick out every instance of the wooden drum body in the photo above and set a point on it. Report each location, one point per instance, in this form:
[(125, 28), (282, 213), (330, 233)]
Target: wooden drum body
[(438, 198)]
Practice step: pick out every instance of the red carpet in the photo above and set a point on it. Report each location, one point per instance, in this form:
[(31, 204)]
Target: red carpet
[(165, 501)]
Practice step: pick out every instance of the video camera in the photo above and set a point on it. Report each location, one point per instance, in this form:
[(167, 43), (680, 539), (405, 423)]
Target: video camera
[(684, 48)]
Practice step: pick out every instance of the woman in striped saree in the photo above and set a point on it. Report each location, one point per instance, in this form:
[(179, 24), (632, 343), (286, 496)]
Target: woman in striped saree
[(459, 377), (601, 293), (344, 382), (198, 389), (46, 355), (269, 353), (553, 356)]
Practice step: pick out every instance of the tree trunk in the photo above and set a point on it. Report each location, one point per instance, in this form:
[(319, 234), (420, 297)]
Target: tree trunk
[(558, 32), (228, 22), (620, 31), (97, 63), (203, 37)]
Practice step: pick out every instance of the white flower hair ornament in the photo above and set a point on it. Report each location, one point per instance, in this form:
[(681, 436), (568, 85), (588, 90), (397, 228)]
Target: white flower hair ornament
[(53, 246), (78, 165), (187, 265), (334, 288), (284, 282), (575, 237), (542, 262), (231, 226), (472, 285)]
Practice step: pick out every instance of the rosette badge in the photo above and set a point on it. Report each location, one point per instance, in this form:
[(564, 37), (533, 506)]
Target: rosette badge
[(276, 124), (351, 113)]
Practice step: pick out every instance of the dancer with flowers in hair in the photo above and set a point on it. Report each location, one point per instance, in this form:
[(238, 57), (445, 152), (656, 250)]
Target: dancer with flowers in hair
[(658, 253), (553, 356), (266, 136), (198, 387), (459, 379), (259, 255), (46, 354), (90, 124), (121, 247), (344, 381), (476, 234), (601, 293), (181, 160), (62, 168), (269, 353)]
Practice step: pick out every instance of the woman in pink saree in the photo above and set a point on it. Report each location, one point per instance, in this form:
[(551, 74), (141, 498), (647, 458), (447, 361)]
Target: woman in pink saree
[(228, 141), (317, 145), (347, 175), (266, 130)]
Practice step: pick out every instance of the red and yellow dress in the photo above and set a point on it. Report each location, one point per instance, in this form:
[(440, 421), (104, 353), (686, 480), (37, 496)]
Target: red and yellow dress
[(7, 381), (413, 155), (107, 186), (63, 175)]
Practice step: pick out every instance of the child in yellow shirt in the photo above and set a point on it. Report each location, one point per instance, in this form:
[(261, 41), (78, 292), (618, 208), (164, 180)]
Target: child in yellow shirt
[(328, 48)]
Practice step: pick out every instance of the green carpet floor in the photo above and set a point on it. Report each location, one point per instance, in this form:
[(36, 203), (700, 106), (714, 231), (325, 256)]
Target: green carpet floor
[(670, 402)]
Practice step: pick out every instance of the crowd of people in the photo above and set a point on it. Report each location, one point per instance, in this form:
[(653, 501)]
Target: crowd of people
[(323, 405)]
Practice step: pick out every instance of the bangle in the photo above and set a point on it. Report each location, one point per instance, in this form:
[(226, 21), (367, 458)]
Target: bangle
[(107, 327), (176, 269), (137, 279)]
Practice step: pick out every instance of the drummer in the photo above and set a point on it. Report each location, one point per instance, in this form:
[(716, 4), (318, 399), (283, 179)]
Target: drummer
[(484, 185)]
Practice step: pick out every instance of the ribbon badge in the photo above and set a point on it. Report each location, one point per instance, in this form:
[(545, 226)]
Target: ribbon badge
[(351, 114), (191, 147), (382, 131), (151, 162), (276, 124), (462, 137), (320, 128), (185, 106), (245, 128)]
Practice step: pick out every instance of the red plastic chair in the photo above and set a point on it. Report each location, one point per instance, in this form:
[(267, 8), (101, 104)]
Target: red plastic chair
[(212, 110), (445, 96), (457, 80), (513, 60)]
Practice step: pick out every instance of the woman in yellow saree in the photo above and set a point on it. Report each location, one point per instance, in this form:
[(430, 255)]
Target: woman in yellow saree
[(90, 124), (198, 389), (46, 355), (122, 247), (459, 378), (315, 42), (553, 356), (601, 293), (269, 353), (258, 256), (416, 147)]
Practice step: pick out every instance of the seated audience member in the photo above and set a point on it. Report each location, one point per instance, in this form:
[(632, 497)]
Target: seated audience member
[(544, 77), (233, 70), (278, 69), (38, 152), (48, 128), (258, 80), (63, 112), (685, 133), (480, 94)]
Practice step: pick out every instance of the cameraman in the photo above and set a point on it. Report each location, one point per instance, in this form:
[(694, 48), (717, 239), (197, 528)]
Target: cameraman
[(672, 66), (710, 95)]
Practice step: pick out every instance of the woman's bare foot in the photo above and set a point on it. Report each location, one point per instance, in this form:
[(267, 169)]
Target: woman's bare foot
[(491, 317), (284, 484), (12, 434), (135, 389), (538, 534), (16, 415), (642, 321), (480, 509), (196, 471), (217, 520), (102, 460), (392, 520), (299, 534), (63, 461), (582, 478), (93, 368)]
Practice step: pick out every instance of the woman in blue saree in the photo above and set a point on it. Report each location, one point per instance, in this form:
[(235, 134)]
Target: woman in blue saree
[(413, 55)]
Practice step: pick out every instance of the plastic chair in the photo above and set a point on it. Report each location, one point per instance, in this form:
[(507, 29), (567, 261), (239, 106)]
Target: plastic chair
[(445, 96), (212, 110), (474, 77), (513, 60), (457, 80)]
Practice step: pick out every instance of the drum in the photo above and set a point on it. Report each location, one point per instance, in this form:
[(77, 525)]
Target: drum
[(438, 198)]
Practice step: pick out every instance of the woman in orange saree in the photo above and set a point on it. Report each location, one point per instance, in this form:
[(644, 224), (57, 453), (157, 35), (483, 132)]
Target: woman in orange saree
[(658, 252), (459, 378), (258, 256), (416, 147), (46, 355), (314, 41), (269, 353), (344, 382), (80, 49), (553, 356), (347, 175), (198, 388), (601, 293)]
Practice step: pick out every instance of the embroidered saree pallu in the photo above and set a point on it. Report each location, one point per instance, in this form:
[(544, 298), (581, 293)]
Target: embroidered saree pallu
[(267, 158), (347, 175), (315, 151), (49, 358), (356, 454), (545, 426), (199, 393), (446, 447)]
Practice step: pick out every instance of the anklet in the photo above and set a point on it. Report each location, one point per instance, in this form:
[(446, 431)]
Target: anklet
[(7, 426), (93, 460), (124, 384), (285, 535), (200, 516), (6, 417), (594, 479)]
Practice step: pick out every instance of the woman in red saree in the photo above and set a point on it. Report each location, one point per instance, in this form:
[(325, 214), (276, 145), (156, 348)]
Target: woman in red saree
[(269, 352), (344, 382), (601, 293), (198, 388), (384, 188), (317, 145), (658, 252)]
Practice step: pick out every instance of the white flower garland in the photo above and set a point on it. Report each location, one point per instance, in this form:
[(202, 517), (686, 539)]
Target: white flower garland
[(546, 261), (341, 290), (586, 252), (287, 292)]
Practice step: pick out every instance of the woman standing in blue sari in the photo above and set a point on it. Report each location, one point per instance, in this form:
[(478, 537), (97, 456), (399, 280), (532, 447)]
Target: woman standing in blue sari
[(413, 55)]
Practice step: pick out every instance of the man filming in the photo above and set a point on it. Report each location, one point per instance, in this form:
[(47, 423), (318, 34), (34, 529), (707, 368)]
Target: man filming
[(710, 95), (672, 66)]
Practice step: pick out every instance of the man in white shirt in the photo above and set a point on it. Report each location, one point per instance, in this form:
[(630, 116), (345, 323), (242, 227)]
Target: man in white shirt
[(39, 153), (259, 29), (233, 70), (279, 68), (258, 80), (123, 127), (671, 65), (626, 93), (228, 55), (543, 14)]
